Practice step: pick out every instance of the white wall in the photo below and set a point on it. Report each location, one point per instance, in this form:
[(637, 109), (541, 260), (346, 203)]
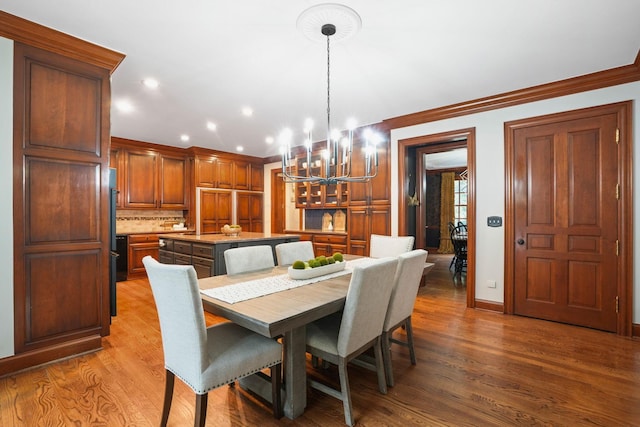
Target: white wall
[(490, 172), (6, 194)]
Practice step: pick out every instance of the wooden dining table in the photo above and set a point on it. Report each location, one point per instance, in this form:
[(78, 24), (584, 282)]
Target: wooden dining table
[(283, 314)]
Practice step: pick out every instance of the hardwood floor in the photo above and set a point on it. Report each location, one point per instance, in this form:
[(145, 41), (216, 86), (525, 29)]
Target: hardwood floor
[(475, 368)]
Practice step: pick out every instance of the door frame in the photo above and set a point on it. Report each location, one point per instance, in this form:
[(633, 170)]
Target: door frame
[(450, 137), (623, 110), (278, 192)]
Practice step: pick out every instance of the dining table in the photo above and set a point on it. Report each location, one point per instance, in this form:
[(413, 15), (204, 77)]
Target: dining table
[(280, 314)]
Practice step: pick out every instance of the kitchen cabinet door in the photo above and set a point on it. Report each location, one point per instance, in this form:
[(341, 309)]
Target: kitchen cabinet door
[(173, 182), (215, 210), (257, 177), (250, 211), (364, 221), (242, 175), (141, 177), (225, 173)]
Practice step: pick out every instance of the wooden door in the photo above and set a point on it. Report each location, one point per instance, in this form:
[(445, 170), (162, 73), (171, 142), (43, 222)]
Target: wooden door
[(566, 221), (278, 205)]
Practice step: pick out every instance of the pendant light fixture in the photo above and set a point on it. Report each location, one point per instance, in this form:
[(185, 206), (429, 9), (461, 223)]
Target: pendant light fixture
[(327, 21)]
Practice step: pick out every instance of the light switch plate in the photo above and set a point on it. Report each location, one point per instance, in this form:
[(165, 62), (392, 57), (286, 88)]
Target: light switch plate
[(494, 221)]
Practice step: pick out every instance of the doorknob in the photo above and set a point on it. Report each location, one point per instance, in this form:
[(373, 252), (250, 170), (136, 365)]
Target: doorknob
[(520, 242)]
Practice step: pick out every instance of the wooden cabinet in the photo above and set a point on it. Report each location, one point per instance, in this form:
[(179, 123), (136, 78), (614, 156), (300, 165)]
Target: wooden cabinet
[(141, 177), (60, 241), (151, 178), (227, 173), (309, 195), (249, 209), (364, 221), (378, 190), (224, 173), (215, 210), (173, 182), (257, 177), (328, 244), (141, 245)]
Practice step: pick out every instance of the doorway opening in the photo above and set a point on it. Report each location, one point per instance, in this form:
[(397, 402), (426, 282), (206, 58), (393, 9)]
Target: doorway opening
[(413, 184)]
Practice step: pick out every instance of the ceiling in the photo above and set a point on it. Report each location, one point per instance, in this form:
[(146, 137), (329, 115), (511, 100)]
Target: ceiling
[(212, 58)]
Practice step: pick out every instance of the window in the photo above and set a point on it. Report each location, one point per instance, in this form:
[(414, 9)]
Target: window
[(460, 201)]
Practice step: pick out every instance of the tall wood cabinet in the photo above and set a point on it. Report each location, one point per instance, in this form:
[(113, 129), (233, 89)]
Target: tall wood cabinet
[(216, 210), (249, 211), (61, 198)]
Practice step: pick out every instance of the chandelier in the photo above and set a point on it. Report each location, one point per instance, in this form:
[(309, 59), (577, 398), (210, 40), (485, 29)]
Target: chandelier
[(338, 154)]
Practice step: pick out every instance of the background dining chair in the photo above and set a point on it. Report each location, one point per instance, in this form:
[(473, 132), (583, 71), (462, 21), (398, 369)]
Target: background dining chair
[(288, 253), (204, 358), (384, 246), (248, 258), (401, 302), (340, 337), (459, 241)]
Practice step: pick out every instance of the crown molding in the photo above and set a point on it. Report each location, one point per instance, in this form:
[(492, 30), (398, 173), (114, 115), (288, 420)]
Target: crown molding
[(36, 35), (601, 79)]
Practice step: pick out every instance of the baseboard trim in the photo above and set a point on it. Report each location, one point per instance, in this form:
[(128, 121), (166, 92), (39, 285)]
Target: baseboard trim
[(31, 359), (635, 330), (489, 305)]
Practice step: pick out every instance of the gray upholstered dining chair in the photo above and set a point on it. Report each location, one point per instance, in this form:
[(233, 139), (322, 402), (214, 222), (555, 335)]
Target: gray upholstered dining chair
[(204, 358), (403, 297), (288, 253), (383, 246), (405, 288), (248, 258), (340, 337)]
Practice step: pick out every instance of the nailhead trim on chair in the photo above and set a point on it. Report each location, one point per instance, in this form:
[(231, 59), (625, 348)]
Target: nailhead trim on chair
[(227, 382)]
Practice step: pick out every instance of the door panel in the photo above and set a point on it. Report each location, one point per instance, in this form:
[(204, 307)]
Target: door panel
[(566, 222)]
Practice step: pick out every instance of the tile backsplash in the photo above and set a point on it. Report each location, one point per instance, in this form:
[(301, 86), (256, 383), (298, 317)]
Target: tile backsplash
[(140, 221)]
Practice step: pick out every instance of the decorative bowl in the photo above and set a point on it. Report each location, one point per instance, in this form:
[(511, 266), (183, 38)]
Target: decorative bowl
[(231, 231), (309, 273)]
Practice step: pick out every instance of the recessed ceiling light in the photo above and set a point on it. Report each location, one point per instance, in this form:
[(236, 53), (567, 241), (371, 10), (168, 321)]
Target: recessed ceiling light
[(240, 148), (246, 111), (184, 138), (269, 140), (124, 105), (151, 83), (211, 126)]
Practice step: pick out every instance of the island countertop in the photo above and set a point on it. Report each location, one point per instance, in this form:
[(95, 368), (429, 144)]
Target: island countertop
[(245, 236)]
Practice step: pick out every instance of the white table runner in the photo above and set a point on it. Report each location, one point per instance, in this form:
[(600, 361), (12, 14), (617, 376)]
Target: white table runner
[(268, 285)]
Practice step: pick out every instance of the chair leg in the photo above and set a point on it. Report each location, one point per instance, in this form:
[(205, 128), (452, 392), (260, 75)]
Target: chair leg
[(386, 357), (201, 409), (168, 396), (346, 394), (276, 386), (412, 352), (382, 380)]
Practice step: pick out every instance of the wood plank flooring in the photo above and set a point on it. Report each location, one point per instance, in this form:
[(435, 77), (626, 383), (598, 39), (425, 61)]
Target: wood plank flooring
[(475, 368)]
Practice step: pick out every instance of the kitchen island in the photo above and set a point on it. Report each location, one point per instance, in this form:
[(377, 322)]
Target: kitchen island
[(206, 251)]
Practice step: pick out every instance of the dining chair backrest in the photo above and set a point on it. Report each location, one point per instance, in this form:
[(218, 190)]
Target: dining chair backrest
[(367, 300), (248, 258), (385, 246), (182, 325), (405, 288), (288, 253)]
